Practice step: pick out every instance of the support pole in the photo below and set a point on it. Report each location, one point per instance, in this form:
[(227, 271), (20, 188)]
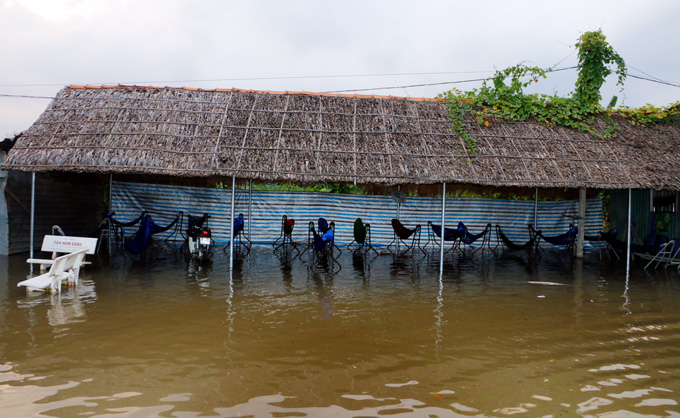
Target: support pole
[(581, 222), (398, 206), (630, 225), (231, 227), (536, 209), (441, 249), (250, 205), (32, 217), (108, 237)]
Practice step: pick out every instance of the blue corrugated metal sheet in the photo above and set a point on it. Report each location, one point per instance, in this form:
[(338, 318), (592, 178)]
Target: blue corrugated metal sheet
[(164, 202)]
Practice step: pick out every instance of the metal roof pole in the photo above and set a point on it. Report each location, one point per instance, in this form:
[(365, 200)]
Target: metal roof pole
[(398, 204), (630, 223), (441, 249), (250, 205), (108, 237), (580, 236), (231, 228), (536, 209), (32, 216)]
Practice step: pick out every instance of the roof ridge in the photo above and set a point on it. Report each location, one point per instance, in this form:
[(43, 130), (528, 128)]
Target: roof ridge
[(234, 89)]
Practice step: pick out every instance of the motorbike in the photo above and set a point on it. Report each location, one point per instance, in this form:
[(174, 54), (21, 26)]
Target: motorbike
[(199, 238)]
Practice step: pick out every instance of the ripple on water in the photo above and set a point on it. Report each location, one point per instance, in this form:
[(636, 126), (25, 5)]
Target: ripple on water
[(388, 337)]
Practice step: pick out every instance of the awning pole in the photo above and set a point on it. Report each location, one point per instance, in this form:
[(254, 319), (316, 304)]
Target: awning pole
[(398, 206), (250, 205), (536, 209), (581, 222), (441, 250), (108, 237), (32, 216), (231, 227), (630, 223)]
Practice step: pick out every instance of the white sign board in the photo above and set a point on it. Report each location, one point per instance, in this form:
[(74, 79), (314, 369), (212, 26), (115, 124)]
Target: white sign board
[(60, 244)]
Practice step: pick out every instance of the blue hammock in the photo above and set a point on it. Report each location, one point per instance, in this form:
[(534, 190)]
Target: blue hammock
[(566, 238), (450, 234), (469, 238), (239, 223), (125, 224), (648, 248), (323, 225), (138, 243)]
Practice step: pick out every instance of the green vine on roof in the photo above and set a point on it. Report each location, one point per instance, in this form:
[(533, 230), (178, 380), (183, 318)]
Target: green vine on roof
[(595, 56), (503, 96)]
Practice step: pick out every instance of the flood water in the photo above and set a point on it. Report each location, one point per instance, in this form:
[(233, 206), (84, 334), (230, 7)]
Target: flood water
[(383, 335)]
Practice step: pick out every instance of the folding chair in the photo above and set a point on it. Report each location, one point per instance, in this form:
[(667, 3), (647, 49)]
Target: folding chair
[(362, 236), (401, 234)]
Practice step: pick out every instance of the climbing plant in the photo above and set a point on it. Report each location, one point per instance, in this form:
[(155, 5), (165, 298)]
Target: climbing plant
[(595, 58), (503, 95)]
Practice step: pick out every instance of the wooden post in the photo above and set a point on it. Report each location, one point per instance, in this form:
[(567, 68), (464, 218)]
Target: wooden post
[(581, 221)]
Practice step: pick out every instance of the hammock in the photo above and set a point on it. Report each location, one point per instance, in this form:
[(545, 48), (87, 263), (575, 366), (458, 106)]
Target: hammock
[(319, 240), (138, 243), (322, 242), (527, 246), (401, 233), (286, 236), (566, 238), (618, 245), (362, 236), (468, 238), (450, 234), (125, 224)]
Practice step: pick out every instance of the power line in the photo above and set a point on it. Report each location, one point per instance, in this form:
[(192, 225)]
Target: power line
[(650, 79), (667, 83), (26, 97), (650, 76), (411, 85), (305, 77), (429, 84)]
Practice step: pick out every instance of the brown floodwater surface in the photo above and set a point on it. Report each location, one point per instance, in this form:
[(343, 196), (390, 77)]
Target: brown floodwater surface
[(385, 335)]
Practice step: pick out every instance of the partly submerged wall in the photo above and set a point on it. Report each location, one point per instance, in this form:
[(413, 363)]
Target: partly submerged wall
[(164, 202)]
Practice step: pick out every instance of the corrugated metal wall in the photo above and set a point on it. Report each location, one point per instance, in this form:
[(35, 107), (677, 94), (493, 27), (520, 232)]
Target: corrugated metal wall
[(641, 215), (74, 203), (164, 202)]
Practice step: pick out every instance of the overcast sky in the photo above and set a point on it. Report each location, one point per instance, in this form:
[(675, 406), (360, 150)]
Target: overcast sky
[(322, 46)]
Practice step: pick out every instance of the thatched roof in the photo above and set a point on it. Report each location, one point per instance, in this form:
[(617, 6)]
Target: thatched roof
[(306, 137)]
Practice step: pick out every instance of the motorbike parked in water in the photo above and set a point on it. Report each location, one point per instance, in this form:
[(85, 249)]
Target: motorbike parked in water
[(199, 238)]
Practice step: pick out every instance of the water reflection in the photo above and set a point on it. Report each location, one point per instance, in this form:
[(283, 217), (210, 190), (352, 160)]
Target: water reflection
[(387, 334), (360, 265), (322, 285)]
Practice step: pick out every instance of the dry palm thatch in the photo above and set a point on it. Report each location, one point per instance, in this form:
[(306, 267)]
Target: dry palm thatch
[(306, 138)]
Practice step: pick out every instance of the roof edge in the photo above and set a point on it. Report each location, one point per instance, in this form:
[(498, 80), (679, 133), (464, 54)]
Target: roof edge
[(237, 90)]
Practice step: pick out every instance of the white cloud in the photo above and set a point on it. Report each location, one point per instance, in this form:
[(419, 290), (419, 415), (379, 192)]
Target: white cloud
[(55, 10), (60, 42)]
